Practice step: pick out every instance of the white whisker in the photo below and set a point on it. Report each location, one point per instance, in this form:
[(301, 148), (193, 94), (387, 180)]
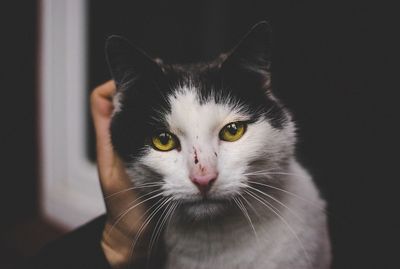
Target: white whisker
[(148, 185), (246, 214), (287, 192), (276, 212), (167, 217), (277, 201), (177, 203), (272, 173), (134, 206), (148, 220), (251, 206), (158, 228)]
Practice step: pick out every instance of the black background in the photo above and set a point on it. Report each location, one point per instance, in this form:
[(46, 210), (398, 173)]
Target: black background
[(18, 77), (334, 67)]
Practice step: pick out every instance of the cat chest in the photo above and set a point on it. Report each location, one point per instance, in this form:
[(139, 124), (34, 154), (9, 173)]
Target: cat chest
[(240, 249)]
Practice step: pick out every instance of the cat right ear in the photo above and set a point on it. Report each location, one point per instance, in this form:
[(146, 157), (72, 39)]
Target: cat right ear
[(126, 62), (251, 57)]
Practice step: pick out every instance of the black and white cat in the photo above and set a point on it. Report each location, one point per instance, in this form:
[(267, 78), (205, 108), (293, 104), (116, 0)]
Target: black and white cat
[(212, 150)]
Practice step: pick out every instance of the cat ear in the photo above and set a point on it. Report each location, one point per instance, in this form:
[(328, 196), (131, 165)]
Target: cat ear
[(251, 57), (126, 62)]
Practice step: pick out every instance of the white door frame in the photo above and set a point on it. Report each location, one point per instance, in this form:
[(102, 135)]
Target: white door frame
[(70, 192)]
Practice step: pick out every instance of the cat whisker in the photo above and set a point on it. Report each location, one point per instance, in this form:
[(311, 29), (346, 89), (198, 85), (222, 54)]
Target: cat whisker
[(242, 208), (250, 205), (169, 215), (277, 201), (158, 228), (177, 204), (144, 195), (272, 173), (155, 230), (154, 205), (145, 185), (287, 192), (166, 218), (261, 172), (271, 169), (137, 199), (158, 205), (119, 217), (276, 211)]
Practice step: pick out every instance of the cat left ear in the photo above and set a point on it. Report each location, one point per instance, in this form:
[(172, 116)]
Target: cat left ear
[(252, 56), (126, 62)]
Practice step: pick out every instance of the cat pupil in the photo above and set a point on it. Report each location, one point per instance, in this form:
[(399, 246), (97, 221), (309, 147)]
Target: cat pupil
[(232, 129), (164, 138)]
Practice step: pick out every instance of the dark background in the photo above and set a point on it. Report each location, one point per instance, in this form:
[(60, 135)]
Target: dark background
[(334, 66)]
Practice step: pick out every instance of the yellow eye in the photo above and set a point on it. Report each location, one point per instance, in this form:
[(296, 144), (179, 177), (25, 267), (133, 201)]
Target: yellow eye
[(164, 141), (232, 131)]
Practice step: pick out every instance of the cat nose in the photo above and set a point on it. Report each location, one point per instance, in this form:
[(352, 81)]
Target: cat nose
[(204, 182)]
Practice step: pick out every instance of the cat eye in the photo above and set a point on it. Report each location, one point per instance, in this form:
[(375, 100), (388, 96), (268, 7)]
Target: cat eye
[(233, 131), (164, 141)]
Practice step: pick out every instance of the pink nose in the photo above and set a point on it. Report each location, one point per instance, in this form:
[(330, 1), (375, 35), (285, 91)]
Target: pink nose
[(204, 182)]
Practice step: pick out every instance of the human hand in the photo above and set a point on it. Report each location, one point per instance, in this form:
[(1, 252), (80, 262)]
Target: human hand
[(123, 215)]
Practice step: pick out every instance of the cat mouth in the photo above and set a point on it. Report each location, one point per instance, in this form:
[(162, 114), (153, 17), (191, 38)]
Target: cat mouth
[(204, 207), (205, 201)]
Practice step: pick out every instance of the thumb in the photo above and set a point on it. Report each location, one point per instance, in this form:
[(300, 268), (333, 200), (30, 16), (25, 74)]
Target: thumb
[(101, 106), (109, 164)]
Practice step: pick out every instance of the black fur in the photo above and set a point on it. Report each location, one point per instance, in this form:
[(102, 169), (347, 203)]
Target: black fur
[(243, 74)]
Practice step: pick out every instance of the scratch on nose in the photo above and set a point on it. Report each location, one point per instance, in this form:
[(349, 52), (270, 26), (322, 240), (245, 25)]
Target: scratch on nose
[(202, 168), (196, 160)]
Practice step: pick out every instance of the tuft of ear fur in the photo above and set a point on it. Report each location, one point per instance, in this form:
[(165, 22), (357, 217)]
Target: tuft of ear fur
[(127, 62), (251, 56)]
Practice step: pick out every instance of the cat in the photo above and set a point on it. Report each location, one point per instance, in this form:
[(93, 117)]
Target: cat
[(212, 150)]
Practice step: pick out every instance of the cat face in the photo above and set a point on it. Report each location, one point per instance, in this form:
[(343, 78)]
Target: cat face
[(198, 131)]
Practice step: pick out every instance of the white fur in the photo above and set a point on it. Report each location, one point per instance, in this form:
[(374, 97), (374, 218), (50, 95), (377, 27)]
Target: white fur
[(117, 106)]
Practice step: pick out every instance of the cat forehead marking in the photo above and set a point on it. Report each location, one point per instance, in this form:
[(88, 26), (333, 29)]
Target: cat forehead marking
[(190, 116)]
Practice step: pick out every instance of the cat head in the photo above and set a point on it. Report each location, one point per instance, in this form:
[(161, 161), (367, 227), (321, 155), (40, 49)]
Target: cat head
[(196, 133)]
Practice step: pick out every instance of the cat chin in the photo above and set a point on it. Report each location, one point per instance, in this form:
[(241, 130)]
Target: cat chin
[(204, 208)]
